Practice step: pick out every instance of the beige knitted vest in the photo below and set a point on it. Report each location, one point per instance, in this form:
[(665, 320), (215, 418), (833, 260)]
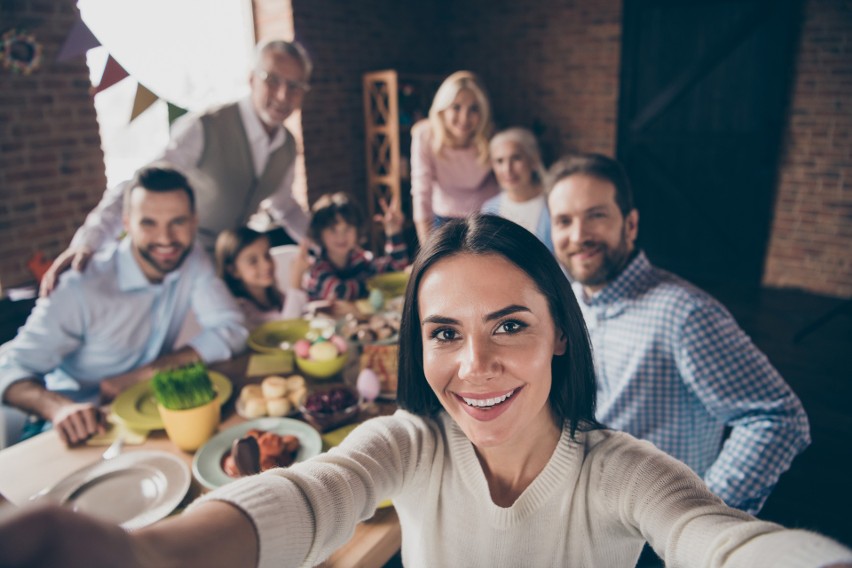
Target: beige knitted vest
[(229, 191)]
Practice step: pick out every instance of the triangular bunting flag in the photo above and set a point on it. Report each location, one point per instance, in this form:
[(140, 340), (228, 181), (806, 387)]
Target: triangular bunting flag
[(113, 73), (144, 98), (175, 112), (79, 41)]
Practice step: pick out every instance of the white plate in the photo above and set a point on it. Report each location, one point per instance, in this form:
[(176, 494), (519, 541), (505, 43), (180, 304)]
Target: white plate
[(134, 489), (207, 463)]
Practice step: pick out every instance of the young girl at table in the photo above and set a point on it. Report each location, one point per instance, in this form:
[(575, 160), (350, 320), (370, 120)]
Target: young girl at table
[(450, 172), (496, 459), (244, 262), (341, 268), (516, 161)]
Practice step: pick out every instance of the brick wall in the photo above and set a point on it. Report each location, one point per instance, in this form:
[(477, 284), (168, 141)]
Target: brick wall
[(812, 231), (551, 66), (51, 163), (347, 39)]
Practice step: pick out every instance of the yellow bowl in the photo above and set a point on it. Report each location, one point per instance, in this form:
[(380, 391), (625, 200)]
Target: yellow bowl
[(322, 369), (190, 429), (391, 284), (267, 337)]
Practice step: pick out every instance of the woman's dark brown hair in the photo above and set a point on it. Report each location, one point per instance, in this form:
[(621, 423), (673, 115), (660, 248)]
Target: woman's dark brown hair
[(572, 396)]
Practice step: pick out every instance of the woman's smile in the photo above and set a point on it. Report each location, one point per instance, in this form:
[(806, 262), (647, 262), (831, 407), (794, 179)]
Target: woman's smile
[(487, 407)]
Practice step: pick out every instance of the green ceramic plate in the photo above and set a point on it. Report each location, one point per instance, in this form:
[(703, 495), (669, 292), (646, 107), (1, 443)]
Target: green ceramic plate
[(267, 337), (137, 408), (207, 463), (391, 284)]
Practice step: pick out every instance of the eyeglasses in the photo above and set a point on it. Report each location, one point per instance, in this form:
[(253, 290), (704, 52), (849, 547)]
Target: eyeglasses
[(274, 82)]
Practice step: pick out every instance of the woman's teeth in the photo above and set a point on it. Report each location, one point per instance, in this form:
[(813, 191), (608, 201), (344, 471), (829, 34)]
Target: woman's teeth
[(487, 402)]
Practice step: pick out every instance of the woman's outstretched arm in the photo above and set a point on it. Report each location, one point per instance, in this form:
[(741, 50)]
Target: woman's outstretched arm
[(211, 534)]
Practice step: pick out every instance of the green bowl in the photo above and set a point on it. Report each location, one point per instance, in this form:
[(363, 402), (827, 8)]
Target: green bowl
[(322, 369), (391, 284), (267, 338)]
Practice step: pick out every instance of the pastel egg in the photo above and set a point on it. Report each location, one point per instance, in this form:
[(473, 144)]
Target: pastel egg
[(302, 347), (368, 384), (324, 351), (340, 343)]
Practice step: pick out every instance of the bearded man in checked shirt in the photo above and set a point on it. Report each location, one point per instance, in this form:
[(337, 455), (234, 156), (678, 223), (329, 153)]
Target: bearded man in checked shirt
[(673, 366)]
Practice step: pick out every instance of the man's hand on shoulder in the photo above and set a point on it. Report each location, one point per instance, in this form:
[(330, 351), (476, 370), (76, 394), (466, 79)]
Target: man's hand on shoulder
[(73, 257), (77, 422)]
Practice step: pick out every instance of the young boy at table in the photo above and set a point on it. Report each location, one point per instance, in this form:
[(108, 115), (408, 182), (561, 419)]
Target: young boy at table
[(115, 325), (341, 269), (496, 459)]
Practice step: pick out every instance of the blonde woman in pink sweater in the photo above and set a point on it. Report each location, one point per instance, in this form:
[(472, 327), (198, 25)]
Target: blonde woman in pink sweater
[(450, 170)]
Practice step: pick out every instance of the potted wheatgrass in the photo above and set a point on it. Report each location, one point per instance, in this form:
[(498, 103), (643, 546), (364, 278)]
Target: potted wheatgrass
[(188, 405)]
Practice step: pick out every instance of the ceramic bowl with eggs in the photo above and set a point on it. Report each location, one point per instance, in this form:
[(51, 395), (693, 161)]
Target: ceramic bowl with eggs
[(322, 358)]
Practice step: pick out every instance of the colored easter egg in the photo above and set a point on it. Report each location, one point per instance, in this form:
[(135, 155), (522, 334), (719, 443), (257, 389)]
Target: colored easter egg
[(340, 343), (324, 351), (301, 348), (368, 384)]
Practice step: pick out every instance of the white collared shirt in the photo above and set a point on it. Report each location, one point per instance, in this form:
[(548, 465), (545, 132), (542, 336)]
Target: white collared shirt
[(109, 319)]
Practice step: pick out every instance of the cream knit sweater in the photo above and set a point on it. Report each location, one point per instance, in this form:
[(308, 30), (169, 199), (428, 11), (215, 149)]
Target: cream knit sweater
[(594, 504)]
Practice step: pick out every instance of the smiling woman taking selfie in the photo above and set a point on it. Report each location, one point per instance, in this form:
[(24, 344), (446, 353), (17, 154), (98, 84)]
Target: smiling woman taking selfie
[(496, 459)]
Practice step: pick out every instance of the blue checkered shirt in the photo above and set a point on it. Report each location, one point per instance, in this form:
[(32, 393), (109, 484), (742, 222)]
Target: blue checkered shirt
[(673, 367)]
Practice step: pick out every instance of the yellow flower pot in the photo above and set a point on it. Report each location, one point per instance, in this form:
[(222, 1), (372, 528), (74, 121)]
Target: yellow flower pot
[(190, 429)]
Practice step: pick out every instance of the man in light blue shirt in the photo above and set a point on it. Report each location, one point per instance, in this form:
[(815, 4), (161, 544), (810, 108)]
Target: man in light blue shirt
[(115, 325), (673, 366)]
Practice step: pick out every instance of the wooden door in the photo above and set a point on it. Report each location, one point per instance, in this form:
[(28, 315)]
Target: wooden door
[(704, 94)]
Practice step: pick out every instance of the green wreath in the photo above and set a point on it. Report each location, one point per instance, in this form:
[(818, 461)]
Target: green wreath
[(20, 51)]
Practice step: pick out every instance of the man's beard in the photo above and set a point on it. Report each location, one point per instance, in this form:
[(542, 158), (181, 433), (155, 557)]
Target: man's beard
[(163, 268), (613, 261)]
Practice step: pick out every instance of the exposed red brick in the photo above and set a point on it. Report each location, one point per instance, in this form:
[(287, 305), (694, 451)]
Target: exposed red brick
[(817, 148)]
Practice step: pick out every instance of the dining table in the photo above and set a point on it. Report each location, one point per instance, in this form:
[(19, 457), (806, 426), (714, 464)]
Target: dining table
[(43, 460)]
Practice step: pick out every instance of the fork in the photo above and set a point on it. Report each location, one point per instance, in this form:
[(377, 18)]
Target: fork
[(7, 508), (114, 449)]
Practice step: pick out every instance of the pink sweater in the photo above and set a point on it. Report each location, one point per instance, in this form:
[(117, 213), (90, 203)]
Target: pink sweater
[(453, 184)]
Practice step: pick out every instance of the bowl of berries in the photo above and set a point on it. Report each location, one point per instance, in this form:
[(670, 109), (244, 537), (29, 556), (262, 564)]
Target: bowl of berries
[(330, 408), (321, 358)]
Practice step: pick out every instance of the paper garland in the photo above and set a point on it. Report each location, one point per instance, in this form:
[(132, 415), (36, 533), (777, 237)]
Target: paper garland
[(113, 73), (175, 112), (144, 98), (79, 41)]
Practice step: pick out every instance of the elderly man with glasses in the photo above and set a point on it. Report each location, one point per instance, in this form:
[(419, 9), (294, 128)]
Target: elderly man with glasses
[(238, 155)]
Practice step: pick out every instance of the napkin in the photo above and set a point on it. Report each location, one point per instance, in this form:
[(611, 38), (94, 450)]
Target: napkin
[(116, 428), (263, 364)]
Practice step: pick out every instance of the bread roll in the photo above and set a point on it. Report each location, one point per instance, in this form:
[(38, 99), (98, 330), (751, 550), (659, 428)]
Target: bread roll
[(254, 408), (251, 391), (295, 382), (297, 396), (274, 387), (277, 406)]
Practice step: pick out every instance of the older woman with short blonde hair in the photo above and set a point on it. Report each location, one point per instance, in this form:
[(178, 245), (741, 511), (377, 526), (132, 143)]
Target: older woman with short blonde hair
[(517, 165)]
